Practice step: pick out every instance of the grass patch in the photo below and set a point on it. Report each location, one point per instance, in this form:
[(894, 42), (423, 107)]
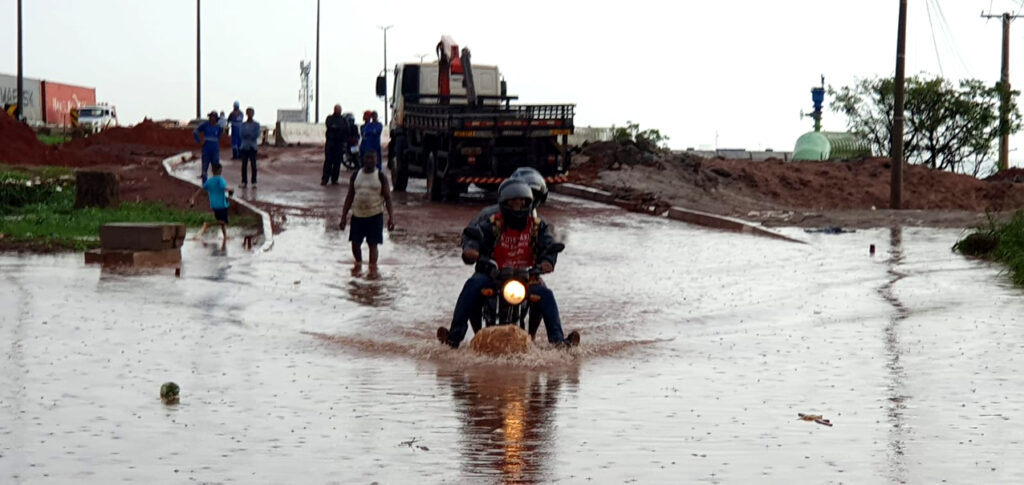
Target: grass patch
[(1003, 243), (37, 212), (53, 139)]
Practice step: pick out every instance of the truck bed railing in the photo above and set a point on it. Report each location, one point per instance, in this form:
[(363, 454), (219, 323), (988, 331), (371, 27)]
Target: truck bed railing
[(448, 117)]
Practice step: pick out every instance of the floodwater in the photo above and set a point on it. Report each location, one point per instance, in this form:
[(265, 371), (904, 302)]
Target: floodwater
[(699, 349)]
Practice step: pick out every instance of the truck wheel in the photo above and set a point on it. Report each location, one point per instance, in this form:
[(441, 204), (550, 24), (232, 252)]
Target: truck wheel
[(400, 174), (434, 182)]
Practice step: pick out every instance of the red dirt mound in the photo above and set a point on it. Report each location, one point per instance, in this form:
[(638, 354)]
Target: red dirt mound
[(742, 185), (18, 143), (146, 133)]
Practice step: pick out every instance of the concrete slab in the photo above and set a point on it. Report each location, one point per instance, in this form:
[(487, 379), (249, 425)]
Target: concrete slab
[(142, 236), (118, 257), (725, 223)]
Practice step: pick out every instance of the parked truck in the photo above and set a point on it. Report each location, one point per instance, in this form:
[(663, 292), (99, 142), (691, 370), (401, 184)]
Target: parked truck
[(453, 124), (97, 117)]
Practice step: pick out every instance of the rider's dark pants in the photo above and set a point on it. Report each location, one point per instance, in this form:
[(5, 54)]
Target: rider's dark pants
[(468, 308)]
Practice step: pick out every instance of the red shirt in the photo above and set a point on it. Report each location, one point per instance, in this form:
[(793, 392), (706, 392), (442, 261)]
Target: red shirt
[(513, 248)]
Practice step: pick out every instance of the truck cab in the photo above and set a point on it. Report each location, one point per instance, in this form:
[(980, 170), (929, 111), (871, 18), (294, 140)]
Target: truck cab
[(95, 118)]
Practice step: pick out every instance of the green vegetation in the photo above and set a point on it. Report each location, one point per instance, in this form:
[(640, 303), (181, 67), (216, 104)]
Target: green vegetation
[(947, 127), (53, 139), (1003, 243), (37, 212), (649, 140)]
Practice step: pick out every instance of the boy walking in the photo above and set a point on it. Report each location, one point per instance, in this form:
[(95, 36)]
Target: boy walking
[(217, 190), (368, 195)]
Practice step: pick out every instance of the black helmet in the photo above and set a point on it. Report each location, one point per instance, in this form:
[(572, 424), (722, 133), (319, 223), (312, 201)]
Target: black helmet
[(535, 181), (515, 189)]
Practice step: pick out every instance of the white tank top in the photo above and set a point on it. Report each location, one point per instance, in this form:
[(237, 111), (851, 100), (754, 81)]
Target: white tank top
[(367, 202)]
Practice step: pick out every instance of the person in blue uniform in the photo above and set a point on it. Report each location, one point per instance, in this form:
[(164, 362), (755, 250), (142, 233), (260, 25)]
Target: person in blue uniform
[(210, 141)]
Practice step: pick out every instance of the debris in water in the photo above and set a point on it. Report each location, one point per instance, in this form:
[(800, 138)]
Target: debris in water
[(817, 418), (169, 393)]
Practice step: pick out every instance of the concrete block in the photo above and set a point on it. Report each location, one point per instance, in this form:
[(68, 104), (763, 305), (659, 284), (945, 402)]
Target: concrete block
[(142, 236), (725, 223), (116, 257), (584, 193)]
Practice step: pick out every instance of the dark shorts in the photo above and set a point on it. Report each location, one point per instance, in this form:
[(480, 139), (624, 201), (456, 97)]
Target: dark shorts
[(369, 228), (221, 215)]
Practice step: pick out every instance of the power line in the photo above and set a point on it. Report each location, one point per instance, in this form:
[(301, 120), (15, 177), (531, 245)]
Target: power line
[(935, 44), (944, 24)]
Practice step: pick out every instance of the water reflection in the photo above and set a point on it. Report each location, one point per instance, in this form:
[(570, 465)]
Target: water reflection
[(894, 351), (508, 420), (368, 287)]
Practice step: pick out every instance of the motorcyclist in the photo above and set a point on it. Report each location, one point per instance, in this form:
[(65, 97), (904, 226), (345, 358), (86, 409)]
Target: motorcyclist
[(513, 237), (539, 187)]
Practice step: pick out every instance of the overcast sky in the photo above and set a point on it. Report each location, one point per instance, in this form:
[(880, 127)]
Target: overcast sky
[(727, 74)]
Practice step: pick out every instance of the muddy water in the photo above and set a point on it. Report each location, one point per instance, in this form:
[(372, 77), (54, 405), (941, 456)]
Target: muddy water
[(699, 350)]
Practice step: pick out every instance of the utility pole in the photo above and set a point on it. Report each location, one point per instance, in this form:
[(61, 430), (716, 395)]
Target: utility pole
[(385, 29), (21, 95), (316, 110), (198, 89), (1004, 92), (896, 157)]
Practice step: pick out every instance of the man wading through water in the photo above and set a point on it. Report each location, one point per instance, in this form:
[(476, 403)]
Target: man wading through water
[(368, 195)]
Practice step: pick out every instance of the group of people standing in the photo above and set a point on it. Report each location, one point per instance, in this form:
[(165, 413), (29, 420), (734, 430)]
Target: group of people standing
[(343, 137), (245, 140), (369, 194)]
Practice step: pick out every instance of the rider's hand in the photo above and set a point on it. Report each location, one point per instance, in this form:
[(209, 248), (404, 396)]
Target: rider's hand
[(391, 224), (341, 225), (469, 256), (546, 267)]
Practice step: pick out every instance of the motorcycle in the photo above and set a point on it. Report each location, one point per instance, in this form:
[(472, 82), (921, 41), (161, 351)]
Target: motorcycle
[(350, 159), (510, 303)]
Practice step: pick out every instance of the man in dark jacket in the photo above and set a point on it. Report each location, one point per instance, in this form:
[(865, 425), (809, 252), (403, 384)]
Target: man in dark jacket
[(512, 237), (337, 142)]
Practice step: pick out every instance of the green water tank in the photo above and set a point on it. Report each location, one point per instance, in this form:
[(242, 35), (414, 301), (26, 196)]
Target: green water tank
[(831, 145)]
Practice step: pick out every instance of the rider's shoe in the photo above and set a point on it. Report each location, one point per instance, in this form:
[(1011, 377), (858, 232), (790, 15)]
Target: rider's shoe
[(573, 339), (442, 335)]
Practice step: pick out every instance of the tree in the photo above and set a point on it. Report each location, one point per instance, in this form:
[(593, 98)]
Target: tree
[(947, 127), (649, 140)]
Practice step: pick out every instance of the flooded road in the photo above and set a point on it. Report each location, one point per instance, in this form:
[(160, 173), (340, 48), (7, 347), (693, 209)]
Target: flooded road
[(699, 349)]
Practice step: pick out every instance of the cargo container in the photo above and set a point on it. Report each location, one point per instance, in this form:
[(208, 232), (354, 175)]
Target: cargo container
[(58, 99), (32, 111)]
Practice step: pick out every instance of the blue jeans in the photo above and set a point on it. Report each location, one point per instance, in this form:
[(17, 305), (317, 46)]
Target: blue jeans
[(211, 156), (468, 308)]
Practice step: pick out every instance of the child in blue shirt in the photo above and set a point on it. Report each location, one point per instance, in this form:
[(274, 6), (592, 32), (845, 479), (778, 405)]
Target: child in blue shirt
[(217, 190)]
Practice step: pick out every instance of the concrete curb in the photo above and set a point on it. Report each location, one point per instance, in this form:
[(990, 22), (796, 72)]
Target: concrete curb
[(678, 213), (265, 228)]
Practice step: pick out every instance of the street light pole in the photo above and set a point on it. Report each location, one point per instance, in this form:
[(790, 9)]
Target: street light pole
[(17, 110), (316, 110), (385, 29), (198, 90)]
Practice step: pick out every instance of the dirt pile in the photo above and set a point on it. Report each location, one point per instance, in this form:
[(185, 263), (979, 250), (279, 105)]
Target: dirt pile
[(741, 186), (18, 143), (146, 133)]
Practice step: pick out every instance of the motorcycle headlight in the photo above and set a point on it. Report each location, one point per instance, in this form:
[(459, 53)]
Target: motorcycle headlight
[(514, 292)]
